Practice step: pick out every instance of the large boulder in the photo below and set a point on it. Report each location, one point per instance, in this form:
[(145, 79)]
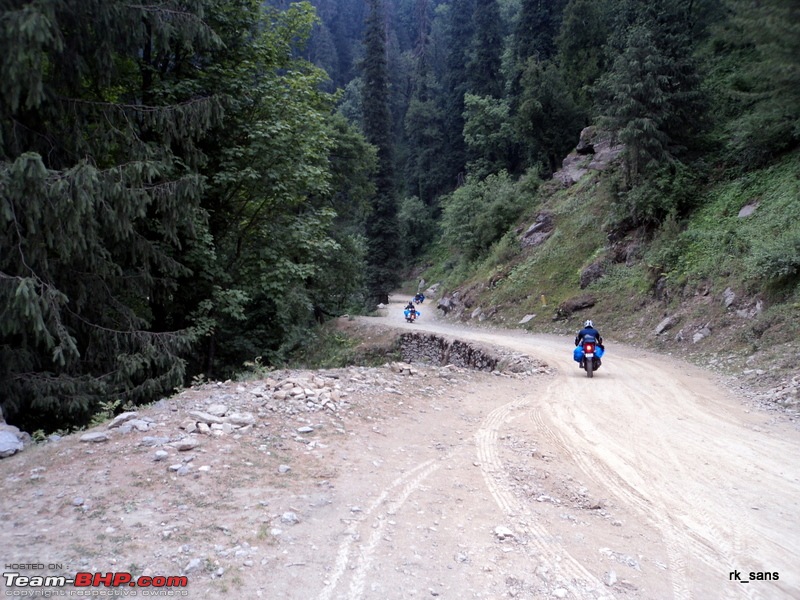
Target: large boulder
[(592, 273), (574, 304), (9, 444)]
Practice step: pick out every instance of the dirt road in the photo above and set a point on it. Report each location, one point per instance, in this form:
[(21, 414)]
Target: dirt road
[(648, 481)]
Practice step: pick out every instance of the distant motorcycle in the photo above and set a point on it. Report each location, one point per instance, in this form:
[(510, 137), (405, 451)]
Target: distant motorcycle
[(411, 314), (587, 354)]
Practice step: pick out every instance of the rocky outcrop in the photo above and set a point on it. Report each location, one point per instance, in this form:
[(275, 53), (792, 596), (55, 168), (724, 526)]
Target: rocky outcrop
[(596, 151), (541, 229)]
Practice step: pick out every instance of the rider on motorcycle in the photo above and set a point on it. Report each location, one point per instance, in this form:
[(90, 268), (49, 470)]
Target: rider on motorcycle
[(588, 329), (410, 312)]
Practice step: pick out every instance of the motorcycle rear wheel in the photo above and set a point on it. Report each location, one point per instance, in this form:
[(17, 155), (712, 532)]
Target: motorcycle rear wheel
[(589, 367)]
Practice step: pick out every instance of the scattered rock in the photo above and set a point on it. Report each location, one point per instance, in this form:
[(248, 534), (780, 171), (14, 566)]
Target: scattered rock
[(665, 325), (526, 319), (218, 410), (283, 469), (592, 273), (748, 209), (728, 297), (186, 445), (193, 565), (122, 418), (204, 417), (240, 419), (153, 441), (289, 518), (503, 533), (574, 304), (700, 335), (95, 437), (538, 233)]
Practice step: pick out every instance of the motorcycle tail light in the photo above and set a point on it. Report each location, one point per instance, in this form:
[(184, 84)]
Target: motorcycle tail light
[(588, 348)]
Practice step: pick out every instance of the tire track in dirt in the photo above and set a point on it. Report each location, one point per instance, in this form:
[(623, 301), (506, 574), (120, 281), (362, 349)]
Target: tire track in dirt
[(379, 524), (684, 541), (579, 581), (705, 538), (352, 533), (630, 494)]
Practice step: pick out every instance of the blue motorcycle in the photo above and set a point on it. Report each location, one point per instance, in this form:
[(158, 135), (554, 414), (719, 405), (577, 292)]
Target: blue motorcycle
[(411, 314), (588, 354)]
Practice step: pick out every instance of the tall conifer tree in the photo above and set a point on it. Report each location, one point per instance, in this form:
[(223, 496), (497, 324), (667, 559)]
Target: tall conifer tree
[(486, 49), (381, 226), (457, 39), (99, 195)]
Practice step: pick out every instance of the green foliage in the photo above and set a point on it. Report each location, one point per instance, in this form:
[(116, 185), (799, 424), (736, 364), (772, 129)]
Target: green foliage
[(488, 133), (775, 259), (98, 145), (151, 204), (548, 120), (761, 249), (581, 44), (537, 27), (486, 48), (755, 73), (418, 228), (651, 95), (326, 348), (479, 213), (671, 188), (105, 411)]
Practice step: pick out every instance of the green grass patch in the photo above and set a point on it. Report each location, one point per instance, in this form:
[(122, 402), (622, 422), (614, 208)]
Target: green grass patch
[(762, 250)]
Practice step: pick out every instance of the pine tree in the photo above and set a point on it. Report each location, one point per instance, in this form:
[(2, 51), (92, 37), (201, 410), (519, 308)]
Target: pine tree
[(456, 39), (651, 96), (537, 27), (99, 195), (584, 31), (486, 49), (381, 225), (423, 124), (757, 59)]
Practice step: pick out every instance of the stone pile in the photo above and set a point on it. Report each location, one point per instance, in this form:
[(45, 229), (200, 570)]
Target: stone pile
[(786, 394)]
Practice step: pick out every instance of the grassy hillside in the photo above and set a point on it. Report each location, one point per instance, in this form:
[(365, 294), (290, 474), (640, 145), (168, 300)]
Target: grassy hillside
[(730, 284)]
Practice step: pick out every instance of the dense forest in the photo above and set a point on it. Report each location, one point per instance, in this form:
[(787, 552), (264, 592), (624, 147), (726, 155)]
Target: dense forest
[(186, 186)]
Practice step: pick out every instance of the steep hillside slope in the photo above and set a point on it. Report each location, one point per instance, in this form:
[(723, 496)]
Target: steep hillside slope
[(720, 285)]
